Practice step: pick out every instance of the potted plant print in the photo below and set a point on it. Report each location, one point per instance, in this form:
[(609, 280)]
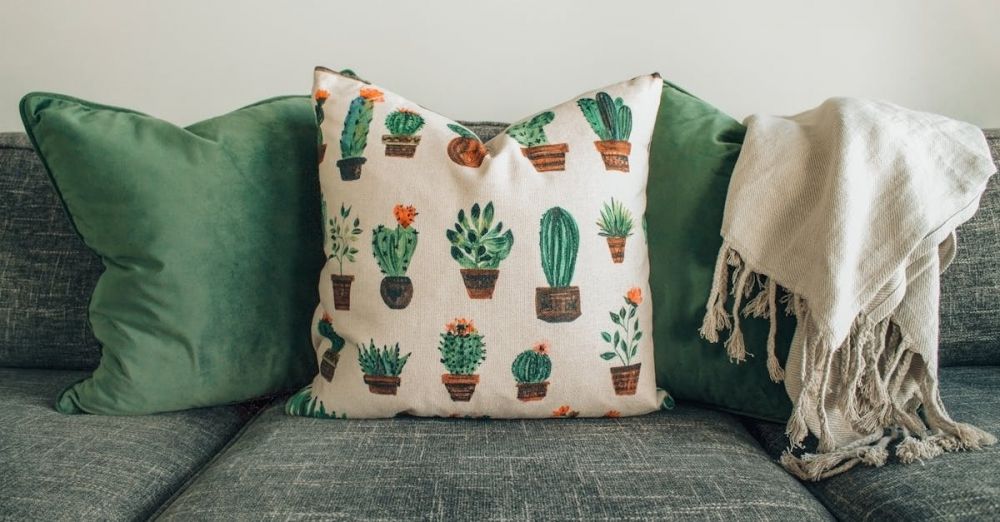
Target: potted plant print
[(462, 351), (320, 96), (531, 369), (402, 140), (343, 236), (625, 344), (381, 368), (616, 226), (559, 239), (611, 120), (535, 144), (466, 149), (354, 136), (479, 247), (328, 365), (393, 249)]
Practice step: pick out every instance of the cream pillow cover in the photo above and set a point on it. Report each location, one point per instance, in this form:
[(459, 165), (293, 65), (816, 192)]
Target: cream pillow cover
[(467, 279)]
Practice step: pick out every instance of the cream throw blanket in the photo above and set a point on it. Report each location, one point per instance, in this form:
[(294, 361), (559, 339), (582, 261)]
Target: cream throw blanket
[(851, 207)]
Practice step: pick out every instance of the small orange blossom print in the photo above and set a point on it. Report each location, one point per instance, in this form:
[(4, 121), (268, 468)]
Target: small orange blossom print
[(321, 95), (372, 94), (634, 296), (613, 414), (541, 347), (404, 215), (461, 326)]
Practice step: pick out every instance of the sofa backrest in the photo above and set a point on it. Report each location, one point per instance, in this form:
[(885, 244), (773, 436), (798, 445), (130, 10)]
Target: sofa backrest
[(47, 273)]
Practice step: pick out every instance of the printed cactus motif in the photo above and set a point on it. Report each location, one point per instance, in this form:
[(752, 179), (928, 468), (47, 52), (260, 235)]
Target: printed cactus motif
[(404, 122), (328, 364), (531, 132), (476, 242), (382, 362), (394, 247), (560, 243), (616, 225), (610, 118), (466, 150), (354, 136), (462, 348), (625, 344), (304, 404), (532, 366)]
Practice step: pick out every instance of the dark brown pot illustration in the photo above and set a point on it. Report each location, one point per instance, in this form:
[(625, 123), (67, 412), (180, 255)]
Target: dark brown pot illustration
[(460, 387), (532, 391), (350, 168), (467, 152), (617, 247), (400, 146), (321, 153), (342, 291), (557, 305), (396, 291), (625, 379), (382, 384), (615, 154), (480, 282), (547, 158), (329, 364)]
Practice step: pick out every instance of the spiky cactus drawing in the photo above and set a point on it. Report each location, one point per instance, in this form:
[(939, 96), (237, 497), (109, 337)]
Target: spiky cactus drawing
[(559, 242), (402, 140), (611, 120), (354, 135), (530, 133), (531, 370)]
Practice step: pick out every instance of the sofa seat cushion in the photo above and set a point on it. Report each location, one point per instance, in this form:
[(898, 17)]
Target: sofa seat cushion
[(962, 485), (85, 467), (688, 462)]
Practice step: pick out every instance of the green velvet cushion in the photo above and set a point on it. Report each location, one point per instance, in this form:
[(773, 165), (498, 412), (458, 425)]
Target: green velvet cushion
[(692, 155), (210, 239)]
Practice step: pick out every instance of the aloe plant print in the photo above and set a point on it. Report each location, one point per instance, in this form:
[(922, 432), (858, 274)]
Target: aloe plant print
[(616, 225), (381, 367), (611, 120), (625, 344), (479, 246), (304, 404)]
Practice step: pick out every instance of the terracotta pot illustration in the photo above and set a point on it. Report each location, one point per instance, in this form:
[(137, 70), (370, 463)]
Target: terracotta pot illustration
[(400, 146), (321, 153), (547, 158), (382, 384), (396, 291), (625, 378), (460, 387), (615, 154), (350, 168), (329, 364), (468, 152), (557, 305), (480, 282), (617, 247), (342, 291), (532, 391)]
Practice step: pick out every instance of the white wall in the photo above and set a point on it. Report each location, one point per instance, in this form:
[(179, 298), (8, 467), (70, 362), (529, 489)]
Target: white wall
[(190, 59)]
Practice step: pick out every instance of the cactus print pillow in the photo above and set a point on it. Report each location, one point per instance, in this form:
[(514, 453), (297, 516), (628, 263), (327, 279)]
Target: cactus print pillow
[(468, 279)]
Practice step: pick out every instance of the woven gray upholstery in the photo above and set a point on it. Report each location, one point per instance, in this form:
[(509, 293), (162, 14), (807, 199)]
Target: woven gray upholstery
[(970, 288), (46, 272), (954, 486), (85, 467), (686, 463)]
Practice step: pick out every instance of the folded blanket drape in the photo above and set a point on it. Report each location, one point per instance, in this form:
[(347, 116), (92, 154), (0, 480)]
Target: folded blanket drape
[(852, 208)]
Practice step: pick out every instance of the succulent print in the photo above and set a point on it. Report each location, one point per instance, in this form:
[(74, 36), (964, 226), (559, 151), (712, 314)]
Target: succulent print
[(559, 242), (393, 249), (479, 247), (611, 120), (462, 352), (381, 367), (615, 225), (402, 140), (530, 133), (354, 136)]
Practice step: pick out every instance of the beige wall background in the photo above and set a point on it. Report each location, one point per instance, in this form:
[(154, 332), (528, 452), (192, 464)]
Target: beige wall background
[(185, 60)]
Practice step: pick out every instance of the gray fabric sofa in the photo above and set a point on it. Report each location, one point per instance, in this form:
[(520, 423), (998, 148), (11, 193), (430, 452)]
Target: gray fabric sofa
[(251, 461)]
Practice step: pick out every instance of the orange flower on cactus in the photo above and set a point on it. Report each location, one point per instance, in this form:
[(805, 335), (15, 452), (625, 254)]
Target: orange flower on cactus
[(613, 414), (561, 411), (634, 296), (327, 318), (461, 327), (372, 94), (321, 95), (404, 215), (541, 347)]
